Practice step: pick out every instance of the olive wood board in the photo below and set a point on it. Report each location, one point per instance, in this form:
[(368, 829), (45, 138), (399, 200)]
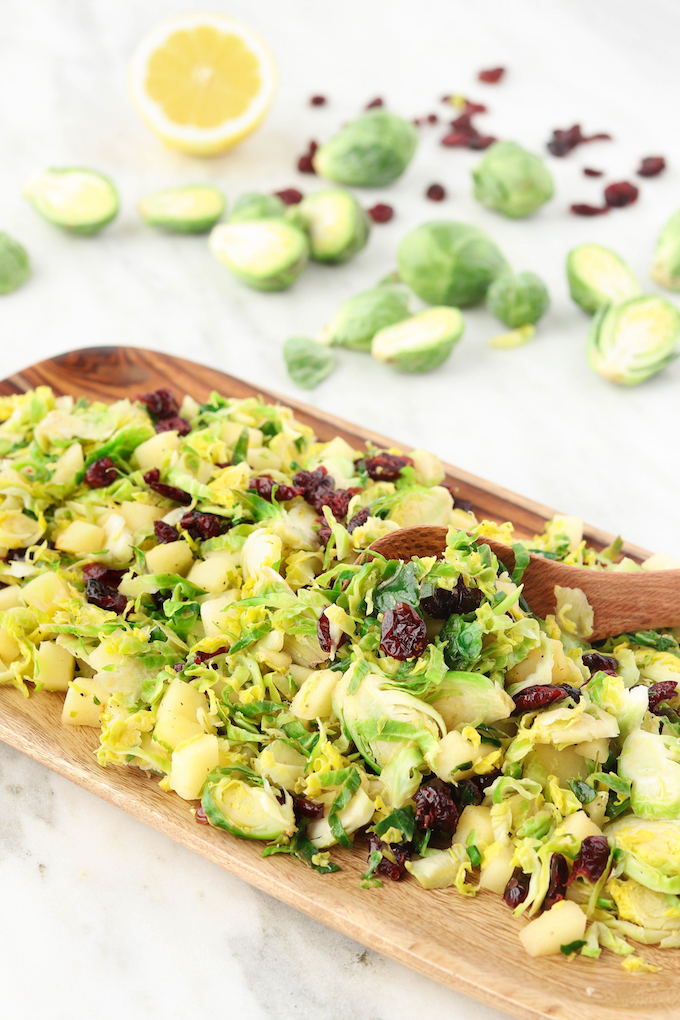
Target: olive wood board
[(470, 944)]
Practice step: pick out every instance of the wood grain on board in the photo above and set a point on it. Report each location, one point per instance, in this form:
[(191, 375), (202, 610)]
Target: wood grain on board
[(469, 944)]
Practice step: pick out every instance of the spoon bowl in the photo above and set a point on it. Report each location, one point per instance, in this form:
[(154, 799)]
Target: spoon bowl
[(622, 602)]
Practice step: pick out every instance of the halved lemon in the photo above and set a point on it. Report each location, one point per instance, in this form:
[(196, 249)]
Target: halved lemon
[(202, 82)]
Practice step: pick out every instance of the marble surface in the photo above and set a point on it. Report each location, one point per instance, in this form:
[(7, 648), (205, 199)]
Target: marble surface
[(100, 914)]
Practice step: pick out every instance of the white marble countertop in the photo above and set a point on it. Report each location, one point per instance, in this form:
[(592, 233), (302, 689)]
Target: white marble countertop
[(100, 914)]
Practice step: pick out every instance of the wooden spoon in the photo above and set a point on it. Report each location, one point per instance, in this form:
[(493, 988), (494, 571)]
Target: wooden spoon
[(622, 602)]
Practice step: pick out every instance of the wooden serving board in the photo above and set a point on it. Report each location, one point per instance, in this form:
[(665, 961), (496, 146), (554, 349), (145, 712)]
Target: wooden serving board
[(469, 944)]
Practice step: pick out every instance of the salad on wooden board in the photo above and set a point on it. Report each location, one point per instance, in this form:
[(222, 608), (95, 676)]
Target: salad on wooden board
[(198, 581)]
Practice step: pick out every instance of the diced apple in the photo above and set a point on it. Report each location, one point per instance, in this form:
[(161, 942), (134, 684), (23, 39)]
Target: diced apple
[(560, 926), (70, 464), (214, 574), (498, 872), (140, 515), (84, 702), (153, 452), (313, 700), (45, 591), (213, 609), (263, 459), (578, 824), (10, 597), (177, 715), (231, 433), (80, 537), (171, 558), (477, 819), (191, 763), (9, 649), (54, 666)]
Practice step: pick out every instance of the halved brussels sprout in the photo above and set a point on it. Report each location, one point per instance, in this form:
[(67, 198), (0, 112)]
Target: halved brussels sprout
[(363, 315), (468, 699), (267, 254), (372, 151), (420, 343), (449, 263), (511, 180), (631, 342), (78, 200), (253, 812), (666, 268), (307, 362), (651, 762), (255, 206), (598, 277), (652, 850), (518, 299), (336, 224), (15, 267), (191, 209)]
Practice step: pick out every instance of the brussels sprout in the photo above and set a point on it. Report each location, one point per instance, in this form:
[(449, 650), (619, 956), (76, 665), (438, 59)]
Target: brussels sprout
[(402, 775), (372, 151), (416, 505), (652, 850), (631, 342), (449, 263), (598, 277), (468, 699), (652, 764), (512, 180), (15, 267), (82, 201), (515, 338), (518, 299), (254, 206), (666, 268), (627, 706), (191, 209), (336, 224), (266, 254), (362, 316), (420, 343), (253, 812), (307, 362)]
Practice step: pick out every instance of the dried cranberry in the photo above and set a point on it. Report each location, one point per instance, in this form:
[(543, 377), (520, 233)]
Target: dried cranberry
[(563, 141), (491, 76), (305, 165), (470, 107), (337, 500), (159, 599), (471, 791), (663, 691), (443, 603), (264, 486), (289, 196), (311, 481), (160, 403), (101, 572), (175, 424), (392, 869), (436, 193), (650, 166), (202, 526), (592, 859), (101, 473), (463, 123), (323, 633), (324, 533), (596, 662), (201, 816), (381, 213), (201, 657), (589, 172), (483, 782), (620, 194), (98, 593), (374, 102), (571, 692), (477, 141), (179, 666), (359, 518), (152, 479), (318, 101), (432, 118), (165, 533), (385, 467), (310, 809), (403, 633), (583, 209), (435, 807), (455, 138), (458, 501), (538, 696), (517, 889), (557, 886)]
